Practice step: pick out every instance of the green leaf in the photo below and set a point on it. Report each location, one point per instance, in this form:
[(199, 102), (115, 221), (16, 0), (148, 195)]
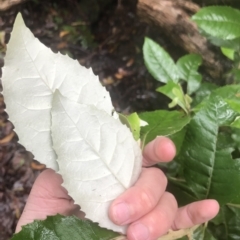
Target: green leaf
[(232, 44), (204, 91), (236, 136), (234, 103), (219, 21), (162, 123), (209, 168), (227, 225), (181, 191), (187, 67), (203, 233), (236, 74), (178, 138), (174, 91), (228, 52), (63, 228), (158, 62), (228, 92), (132, 121), (236, 123)]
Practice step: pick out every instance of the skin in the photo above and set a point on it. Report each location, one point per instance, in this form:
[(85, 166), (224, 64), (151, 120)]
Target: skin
[(149, 210)]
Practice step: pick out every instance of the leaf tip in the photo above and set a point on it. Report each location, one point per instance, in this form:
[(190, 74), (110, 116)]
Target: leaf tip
[(19, 19)]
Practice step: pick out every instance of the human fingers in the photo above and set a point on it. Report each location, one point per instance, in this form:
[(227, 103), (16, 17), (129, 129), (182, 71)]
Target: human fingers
[(161, 149), (140, 199), (47, 198), (195, 213), (157, 222)]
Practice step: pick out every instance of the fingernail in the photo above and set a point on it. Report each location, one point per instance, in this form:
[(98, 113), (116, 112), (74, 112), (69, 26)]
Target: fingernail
[(140, 232), (121, 213)]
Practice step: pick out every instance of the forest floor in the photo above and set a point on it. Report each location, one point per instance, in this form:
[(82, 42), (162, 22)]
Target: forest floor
[(108, 38)]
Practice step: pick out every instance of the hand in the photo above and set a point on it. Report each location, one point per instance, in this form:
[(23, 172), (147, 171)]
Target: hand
[(147, 207)]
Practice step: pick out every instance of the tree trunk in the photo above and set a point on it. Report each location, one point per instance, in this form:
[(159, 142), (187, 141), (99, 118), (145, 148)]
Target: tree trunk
[(173, 17)]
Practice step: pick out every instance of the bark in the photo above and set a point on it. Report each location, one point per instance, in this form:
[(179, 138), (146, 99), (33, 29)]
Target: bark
[(174, 18), (6, 4)]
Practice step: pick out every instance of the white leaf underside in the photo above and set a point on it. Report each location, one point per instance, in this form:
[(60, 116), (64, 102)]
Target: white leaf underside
[(107, 162), (63, 115), (31, 74)]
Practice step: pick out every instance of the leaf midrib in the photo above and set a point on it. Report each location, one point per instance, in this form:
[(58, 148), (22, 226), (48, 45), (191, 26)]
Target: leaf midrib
[(91, 145)]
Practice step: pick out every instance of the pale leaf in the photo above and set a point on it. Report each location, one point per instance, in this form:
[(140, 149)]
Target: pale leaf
[(97, 156), (31, 74), (107, 160)]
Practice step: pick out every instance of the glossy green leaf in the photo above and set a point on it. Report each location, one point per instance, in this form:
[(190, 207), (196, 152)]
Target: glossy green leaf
[(132, 121), (232, 44), (228, 52), (203, 233), (236, 123), (63, 228), (158, 62), (174, 91), (234, 103), (178, 138), (219, 21), (227, 225), (187, 67), (162, 123), (181, 191), (228, 93), (209, 168), (203, 92)]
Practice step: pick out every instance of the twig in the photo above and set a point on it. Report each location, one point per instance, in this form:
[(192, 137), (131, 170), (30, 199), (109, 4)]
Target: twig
[(172, 235)]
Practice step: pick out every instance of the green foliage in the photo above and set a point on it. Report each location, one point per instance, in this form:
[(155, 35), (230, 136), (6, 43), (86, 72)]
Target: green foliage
[(174, 91), (222, 27), (132, 121), (159, 63), (208, 160), (64, 228), (228, 52), (162, 67), (205, 157), (226, 225), (162, 123), (187, 67), (203, 233), (219, 22)]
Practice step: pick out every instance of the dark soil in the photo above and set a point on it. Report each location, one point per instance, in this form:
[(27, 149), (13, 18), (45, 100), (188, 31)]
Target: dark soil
[(105, 35)]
